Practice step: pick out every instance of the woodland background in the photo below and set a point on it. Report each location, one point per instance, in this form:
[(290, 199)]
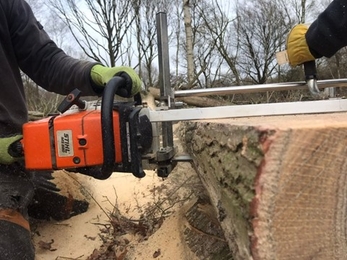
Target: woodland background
[(213, 43)]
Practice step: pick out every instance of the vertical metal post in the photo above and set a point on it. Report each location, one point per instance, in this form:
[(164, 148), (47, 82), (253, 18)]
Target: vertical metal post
[(166, 92), (330, 92)]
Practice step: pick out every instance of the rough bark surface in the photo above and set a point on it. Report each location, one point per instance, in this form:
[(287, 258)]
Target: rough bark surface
[(278, 184), (203, 233)]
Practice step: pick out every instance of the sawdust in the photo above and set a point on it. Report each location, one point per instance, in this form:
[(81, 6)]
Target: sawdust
[(111, 229), (69, 184)]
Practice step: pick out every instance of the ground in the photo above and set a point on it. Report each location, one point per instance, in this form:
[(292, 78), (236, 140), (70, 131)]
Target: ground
[(116, 208)]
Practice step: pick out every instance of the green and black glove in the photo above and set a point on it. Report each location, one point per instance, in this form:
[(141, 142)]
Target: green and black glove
[(6, 157), (101, 75)]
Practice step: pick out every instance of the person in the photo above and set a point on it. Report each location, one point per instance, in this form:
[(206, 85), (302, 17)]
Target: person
[(25, 46), (324, 37)]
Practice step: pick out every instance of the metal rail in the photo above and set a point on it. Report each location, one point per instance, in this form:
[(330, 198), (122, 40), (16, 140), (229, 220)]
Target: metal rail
[(259, 88), (270, 109)]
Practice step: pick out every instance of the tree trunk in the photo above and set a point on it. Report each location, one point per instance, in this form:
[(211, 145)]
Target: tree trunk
[(189, 42), (278, 184), (203, 233)]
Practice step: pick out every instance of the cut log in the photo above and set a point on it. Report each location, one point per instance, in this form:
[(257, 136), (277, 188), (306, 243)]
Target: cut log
[(278, 184), (193, 101)]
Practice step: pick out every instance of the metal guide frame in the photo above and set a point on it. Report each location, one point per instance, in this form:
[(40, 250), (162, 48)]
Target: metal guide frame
[(237, 111), (166, 148), (166, 93), (259, 88)]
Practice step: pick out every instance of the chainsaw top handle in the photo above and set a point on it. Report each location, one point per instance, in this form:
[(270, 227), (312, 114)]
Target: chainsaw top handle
[(108, 142)]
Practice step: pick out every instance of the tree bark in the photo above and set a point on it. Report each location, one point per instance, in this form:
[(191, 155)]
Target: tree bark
[(189, 42), (203, 233), (278, 184)]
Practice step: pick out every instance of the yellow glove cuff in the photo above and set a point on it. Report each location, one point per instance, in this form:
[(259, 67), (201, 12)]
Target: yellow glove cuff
[(297, 48)]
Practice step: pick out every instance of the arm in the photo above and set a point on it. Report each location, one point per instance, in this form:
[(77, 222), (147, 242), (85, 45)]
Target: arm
[(324, 37), (40, 58), (328, 33)]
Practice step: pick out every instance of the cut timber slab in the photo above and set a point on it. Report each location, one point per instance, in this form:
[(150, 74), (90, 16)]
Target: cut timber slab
[(279, 184)]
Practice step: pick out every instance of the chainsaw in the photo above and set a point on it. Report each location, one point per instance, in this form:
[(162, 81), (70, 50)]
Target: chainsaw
[(98, 139), (95, 140)]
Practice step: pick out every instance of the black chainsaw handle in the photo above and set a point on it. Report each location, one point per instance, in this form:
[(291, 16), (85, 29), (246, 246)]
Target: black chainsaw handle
[(107, 131)]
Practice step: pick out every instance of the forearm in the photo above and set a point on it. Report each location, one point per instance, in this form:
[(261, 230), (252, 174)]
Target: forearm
[(328, 33), (62, 75)]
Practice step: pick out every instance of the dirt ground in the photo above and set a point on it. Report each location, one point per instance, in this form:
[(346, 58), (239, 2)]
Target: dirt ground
[(95, 235)]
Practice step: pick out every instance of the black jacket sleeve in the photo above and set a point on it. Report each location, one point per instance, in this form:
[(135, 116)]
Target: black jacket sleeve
[(328, 33), (39, 57)]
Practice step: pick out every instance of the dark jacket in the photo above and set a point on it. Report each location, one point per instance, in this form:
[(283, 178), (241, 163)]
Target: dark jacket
[(328, 33), (24, 45)]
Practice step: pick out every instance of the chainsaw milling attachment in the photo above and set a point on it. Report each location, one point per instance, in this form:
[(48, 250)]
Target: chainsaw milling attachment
[(99, 139)]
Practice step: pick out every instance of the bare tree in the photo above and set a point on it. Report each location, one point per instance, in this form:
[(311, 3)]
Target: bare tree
[(201, 61), (300, 8), (219, 27), (189, 41), (262, 28), (146, 36), (99, 27), (177, 25), (37, 98)]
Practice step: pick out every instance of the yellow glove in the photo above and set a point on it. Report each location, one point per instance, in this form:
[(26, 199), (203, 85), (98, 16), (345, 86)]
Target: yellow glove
[(101, 75), (297, 48), (5, 144)]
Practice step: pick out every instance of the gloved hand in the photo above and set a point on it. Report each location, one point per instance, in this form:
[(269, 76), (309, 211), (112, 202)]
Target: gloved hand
[(42, 181), (5, 154), (101, 75), (297, 48)]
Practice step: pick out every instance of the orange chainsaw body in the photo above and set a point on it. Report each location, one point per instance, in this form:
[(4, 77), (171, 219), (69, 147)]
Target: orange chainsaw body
[(68, 141)]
